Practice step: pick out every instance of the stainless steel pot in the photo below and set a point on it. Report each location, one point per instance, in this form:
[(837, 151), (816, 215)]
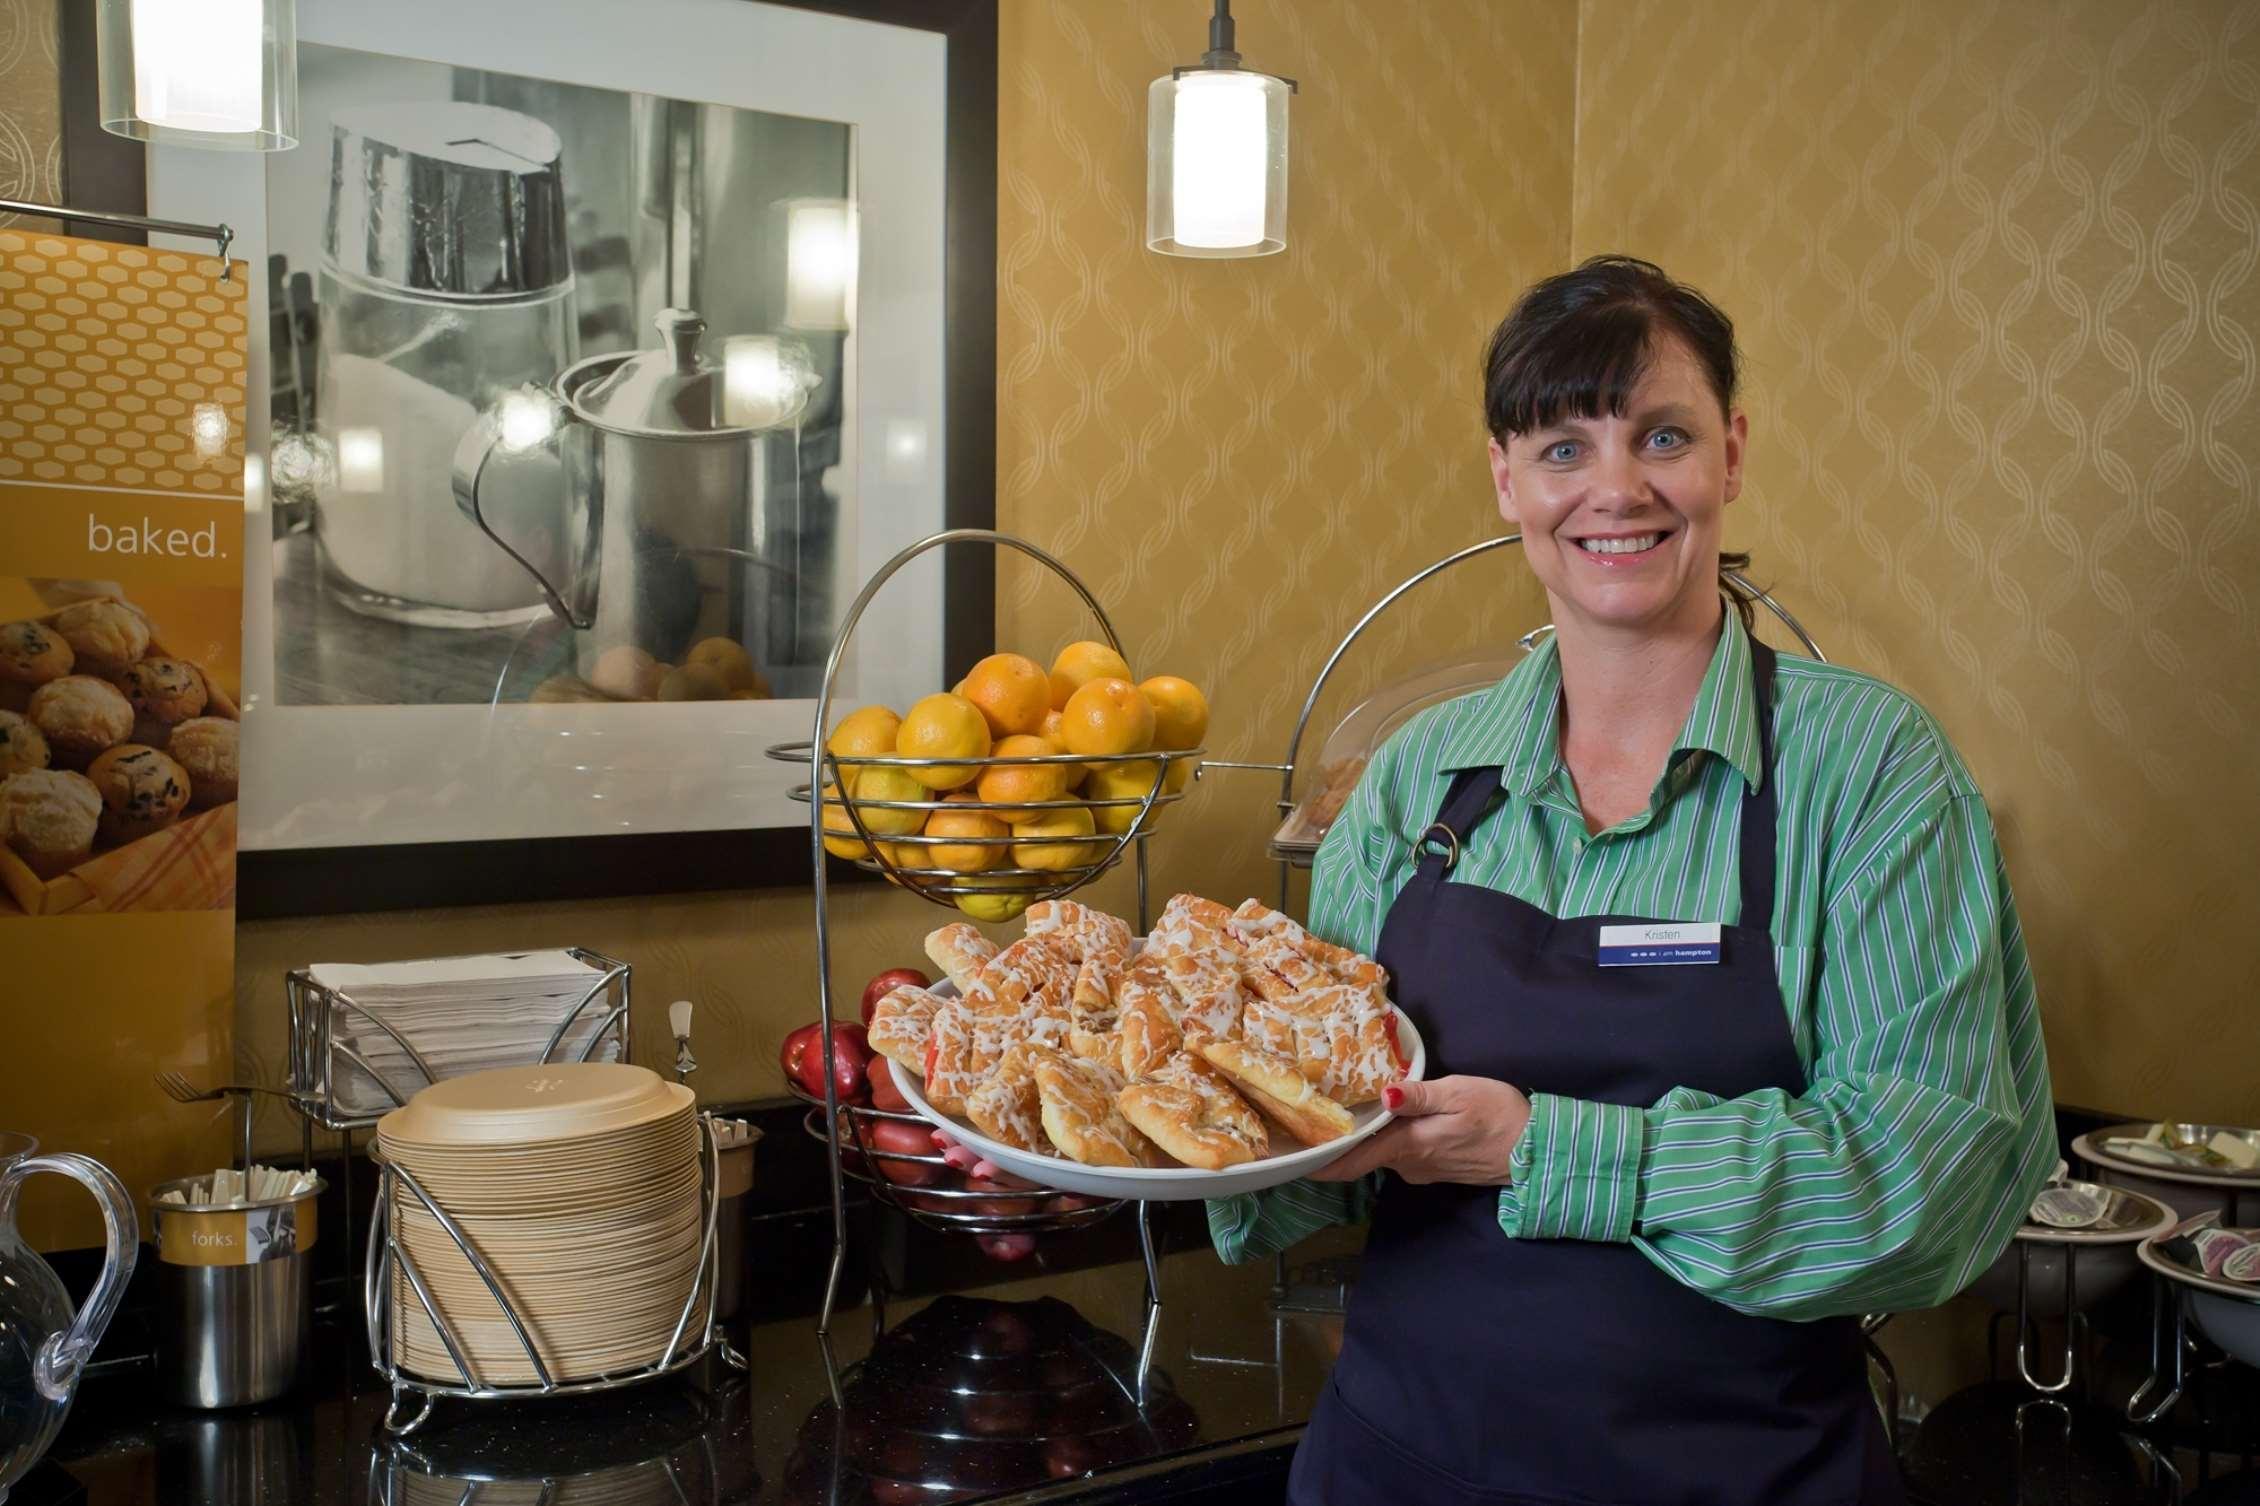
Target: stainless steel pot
[(668, 460)]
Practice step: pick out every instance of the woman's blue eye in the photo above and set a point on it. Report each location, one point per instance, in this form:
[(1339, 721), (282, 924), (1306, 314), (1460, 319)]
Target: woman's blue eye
[(1668, 439), (1562, 449)]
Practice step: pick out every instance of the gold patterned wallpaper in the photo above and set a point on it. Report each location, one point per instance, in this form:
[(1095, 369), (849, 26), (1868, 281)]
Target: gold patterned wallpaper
[(1994, 269), (31, 131)]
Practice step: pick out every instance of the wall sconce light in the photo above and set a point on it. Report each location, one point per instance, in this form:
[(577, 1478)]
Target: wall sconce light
[(211, 73), (1216, 154)]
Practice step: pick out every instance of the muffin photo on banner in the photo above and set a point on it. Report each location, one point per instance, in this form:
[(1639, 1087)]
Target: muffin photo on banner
[(121, 647)]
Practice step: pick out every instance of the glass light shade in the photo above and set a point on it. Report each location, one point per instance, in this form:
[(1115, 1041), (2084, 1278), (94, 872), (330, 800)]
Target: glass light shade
[(211, 73), (820, 261), (1216, 163)]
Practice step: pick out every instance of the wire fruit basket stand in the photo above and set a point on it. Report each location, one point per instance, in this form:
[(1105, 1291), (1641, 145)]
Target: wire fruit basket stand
[(884, 835)]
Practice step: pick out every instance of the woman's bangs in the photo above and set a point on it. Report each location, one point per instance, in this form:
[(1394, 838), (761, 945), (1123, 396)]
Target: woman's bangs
[(1580, 367)]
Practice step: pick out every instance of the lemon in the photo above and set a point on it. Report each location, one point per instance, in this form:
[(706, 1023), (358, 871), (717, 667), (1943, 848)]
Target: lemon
[(1121, 781), (1053, 855), (944, 726), (996, 900), (889, 784)]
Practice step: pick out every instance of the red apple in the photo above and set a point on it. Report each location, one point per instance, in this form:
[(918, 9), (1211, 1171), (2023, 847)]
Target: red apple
[(851, 1057), (884, 1135), (884, 1093), (887, 982), (796, 1046)]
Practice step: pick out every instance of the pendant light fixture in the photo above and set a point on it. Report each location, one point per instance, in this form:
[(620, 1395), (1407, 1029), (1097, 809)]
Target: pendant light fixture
[(1216, 154), (210, 73)]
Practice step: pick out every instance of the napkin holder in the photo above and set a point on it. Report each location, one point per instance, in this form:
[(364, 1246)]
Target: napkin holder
[(322, 1057)]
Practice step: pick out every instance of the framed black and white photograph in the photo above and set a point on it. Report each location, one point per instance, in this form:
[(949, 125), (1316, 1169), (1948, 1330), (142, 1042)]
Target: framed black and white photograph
[(610, 348)]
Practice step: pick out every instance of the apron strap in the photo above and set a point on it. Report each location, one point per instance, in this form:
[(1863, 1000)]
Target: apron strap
[(1759, 844), (1473, 795)]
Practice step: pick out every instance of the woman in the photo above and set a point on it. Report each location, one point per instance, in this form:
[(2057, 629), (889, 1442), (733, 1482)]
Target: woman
[(1631, 1217)]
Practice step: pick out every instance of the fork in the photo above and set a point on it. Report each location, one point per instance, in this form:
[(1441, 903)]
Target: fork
[(180, 1090)]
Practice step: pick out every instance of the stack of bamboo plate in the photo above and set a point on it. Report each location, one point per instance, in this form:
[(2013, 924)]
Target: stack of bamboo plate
[(578, 1185)]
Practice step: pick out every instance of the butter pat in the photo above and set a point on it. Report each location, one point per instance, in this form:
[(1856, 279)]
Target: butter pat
[(2234, 1149)]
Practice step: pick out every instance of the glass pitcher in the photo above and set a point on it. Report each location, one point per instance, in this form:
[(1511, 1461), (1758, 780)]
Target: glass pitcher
[(41, 1349)]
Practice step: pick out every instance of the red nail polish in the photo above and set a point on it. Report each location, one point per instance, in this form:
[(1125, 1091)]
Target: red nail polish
[(1392, 1099)]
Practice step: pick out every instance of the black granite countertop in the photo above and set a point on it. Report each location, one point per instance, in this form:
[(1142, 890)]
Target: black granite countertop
[(1016, 1383), (1023, 1390)]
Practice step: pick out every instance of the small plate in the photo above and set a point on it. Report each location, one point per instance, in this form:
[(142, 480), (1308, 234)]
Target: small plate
[(1168, 1184), (2153, 1253), (2090, 1147)]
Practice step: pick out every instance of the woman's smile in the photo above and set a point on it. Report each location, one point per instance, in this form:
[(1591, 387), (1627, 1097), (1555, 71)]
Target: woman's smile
[(1624, 551)]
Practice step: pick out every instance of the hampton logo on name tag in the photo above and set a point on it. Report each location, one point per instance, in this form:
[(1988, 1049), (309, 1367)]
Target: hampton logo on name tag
[(1659, 945)]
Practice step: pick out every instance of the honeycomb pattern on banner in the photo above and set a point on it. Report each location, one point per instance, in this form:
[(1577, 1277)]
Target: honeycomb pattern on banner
[(120, 366)]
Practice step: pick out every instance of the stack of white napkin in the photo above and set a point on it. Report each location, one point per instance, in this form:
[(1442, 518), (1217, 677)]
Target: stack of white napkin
[(462, 1014)]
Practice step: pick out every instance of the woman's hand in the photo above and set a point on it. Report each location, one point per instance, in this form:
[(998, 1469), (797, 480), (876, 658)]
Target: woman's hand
[(1452, 1129)]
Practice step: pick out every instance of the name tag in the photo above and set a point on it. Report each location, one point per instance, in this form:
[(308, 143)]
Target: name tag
[(1659, 945)]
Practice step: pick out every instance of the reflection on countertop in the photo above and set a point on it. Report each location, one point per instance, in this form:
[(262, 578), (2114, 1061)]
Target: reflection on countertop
[(1023, 1390)]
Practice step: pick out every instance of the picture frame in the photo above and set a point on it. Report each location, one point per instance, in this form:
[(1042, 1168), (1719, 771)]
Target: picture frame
[(735, 828)]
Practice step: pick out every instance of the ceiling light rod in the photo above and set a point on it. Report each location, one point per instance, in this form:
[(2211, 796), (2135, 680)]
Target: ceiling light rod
[(1223, 48)]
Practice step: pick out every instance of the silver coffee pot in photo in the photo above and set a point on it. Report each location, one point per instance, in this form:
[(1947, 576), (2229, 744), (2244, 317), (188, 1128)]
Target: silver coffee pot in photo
[(669, 459)]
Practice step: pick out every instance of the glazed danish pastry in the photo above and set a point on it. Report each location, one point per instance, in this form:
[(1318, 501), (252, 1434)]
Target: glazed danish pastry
[(960, 952), (1191, 1111), (1277, 1086), (1077, 1100)]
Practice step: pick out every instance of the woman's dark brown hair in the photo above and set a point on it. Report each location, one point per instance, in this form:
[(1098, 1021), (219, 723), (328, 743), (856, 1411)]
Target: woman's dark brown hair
[(1578, 343)]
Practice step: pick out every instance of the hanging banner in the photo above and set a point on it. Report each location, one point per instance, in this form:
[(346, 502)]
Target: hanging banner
[(121, 649)]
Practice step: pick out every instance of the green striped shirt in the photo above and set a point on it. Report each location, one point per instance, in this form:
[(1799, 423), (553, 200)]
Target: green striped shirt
[(1926, 1125)]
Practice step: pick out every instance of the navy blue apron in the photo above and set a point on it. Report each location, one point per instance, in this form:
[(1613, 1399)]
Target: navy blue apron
[(1481, 1369)]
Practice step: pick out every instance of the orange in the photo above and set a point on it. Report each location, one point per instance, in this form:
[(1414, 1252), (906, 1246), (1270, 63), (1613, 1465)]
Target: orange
[(867, 732), (1053, 855), (944, 726), (1107, 716), (1054, 732), (836, 818), (901, 855), (1180, 711), (1079, 664), (1003, 783), (962, 857), (1013, 693), (1122, 781), (726, 657)]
